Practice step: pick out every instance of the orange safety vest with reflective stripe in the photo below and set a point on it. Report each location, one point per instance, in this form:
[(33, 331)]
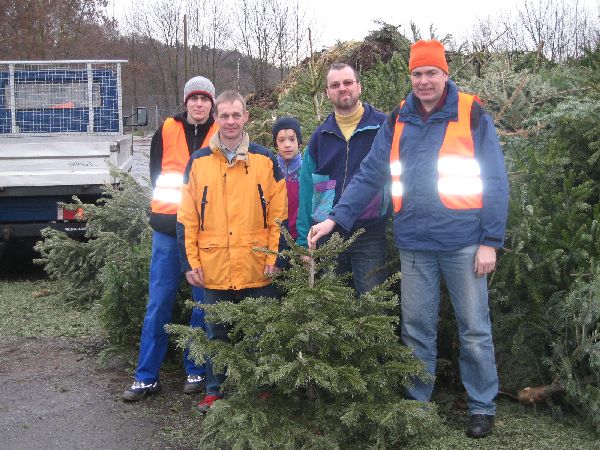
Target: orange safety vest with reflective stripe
[(459, 174), (167, 192)]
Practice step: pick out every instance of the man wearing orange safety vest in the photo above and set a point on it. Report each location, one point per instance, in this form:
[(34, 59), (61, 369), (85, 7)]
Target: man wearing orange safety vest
[(170, 151), (440, 153)]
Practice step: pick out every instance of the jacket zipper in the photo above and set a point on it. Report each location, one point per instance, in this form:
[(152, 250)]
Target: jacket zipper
[(263, 203), (346, 168), (203, 207)]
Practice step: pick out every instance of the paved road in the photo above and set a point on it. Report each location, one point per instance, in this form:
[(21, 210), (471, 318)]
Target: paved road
[(141, 159), (53, 396)]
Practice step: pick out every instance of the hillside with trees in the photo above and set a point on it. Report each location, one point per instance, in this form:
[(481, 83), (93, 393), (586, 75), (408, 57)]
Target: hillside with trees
[(165, 42)]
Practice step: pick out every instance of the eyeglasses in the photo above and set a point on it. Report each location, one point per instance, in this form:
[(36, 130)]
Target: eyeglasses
[(346, 83)]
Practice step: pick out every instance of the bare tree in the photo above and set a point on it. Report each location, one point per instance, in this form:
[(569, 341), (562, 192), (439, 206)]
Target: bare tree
[(161, 25), (283, 35), (256, 38), (554, 28), (209, 36), (301, 31), (268, 33), (197, 36), (156, 39), (291, 32)]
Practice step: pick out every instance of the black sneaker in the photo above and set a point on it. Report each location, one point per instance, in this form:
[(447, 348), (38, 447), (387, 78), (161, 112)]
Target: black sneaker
[(139, 390), (480, 425), (194, 384)]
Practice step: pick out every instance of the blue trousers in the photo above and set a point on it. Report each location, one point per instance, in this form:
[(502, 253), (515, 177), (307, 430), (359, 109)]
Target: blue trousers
[(220, 331), (365, 259), (165, 279), (420, 286)]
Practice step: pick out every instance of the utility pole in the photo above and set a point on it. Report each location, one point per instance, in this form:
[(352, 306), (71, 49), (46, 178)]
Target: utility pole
[(185, 48), (238, 73)]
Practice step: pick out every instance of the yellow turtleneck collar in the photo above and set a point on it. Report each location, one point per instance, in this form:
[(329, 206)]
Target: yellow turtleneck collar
[(349, 123)]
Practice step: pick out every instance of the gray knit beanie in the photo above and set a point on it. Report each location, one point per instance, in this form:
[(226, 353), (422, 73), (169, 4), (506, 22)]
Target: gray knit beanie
[(198, 86)]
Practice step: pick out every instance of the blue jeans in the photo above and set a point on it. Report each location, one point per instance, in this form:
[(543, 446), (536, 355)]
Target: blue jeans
[(420, 294), (219, 331), (365, 260), (165, 279)]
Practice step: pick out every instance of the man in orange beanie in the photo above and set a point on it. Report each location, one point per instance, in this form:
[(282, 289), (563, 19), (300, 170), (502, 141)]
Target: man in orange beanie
[(440, 153)]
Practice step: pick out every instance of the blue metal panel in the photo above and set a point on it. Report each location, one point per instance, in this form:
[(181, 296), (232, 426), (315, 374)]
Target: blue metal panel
[(57, 120), (5, 125)]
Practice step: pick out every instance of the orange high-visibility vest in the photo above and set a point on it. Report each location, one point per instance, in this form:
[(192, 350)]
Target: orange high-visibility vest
[(459, 174), (167, 192)]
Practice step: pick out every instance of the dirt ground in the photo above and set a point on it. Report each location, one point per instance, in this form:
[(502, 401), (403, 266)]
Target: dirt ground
[(53, 395)]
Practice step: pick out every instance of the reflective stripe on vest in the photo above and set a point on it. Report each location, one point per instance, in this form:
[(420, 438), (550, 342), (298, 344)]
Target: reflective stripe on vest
[(459, 174), (396, 166), (167, 192)]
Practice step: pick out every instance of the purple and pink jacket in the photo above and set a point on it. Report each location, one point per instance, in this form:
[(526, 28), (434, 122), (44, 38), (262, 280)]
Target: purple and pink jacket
[(291, 171)]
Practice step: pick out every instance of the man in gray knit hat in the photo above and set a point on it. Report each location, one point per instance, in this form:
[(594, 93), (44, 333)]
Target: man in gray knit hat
[(171, 147)]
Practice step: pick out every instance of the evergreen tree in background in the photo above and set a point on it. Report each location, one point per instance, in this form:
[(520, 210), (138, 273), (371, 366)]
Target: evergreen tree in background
[(109, 268), (115, 225), (317, 368), (575, 359)]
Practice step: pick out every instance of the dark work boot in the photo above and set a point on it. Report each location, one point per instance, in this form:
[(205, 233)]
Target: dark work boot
[(480, 425)]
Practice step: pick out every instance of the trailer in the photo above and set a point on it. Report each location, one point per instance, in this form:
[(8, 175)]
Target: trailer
[(61, 128)]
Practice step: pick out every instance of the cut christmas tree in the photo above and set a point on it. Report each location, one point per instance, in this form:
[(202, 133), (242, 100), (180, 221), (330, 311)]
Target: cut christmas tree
[(317, 368)]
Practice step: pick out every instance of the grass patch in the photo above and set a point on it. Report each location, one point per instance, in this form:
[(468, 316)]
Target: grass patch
[(34, 309), (515, 427), (184, 426)]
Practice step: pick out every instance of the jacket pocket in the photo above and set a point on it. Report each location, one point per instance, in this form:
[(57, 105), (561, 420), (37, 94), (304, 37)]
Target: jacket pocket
[(373, 209), (214, 258), (211, 239), (323, 195), (378, 206), (263, 203)]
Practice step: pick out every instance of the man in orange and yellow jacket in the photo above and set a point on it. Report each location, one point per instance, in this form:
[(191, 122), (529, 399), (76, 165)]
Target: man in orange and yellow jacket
[(233, 193)]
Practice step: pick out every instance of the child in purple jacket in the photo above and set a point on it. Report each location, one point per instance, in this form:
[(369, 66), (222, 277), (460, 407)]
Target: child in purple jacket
[(287, 139)]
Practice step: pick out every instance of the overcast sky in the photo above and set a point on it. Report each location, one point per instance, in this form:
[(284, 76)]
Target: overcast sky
[(353, 19)]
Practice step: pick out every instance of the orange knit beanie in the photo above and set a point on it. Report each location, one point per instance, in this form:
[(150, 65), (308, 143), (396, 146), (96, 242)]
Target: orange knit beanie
[(427, 53)]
